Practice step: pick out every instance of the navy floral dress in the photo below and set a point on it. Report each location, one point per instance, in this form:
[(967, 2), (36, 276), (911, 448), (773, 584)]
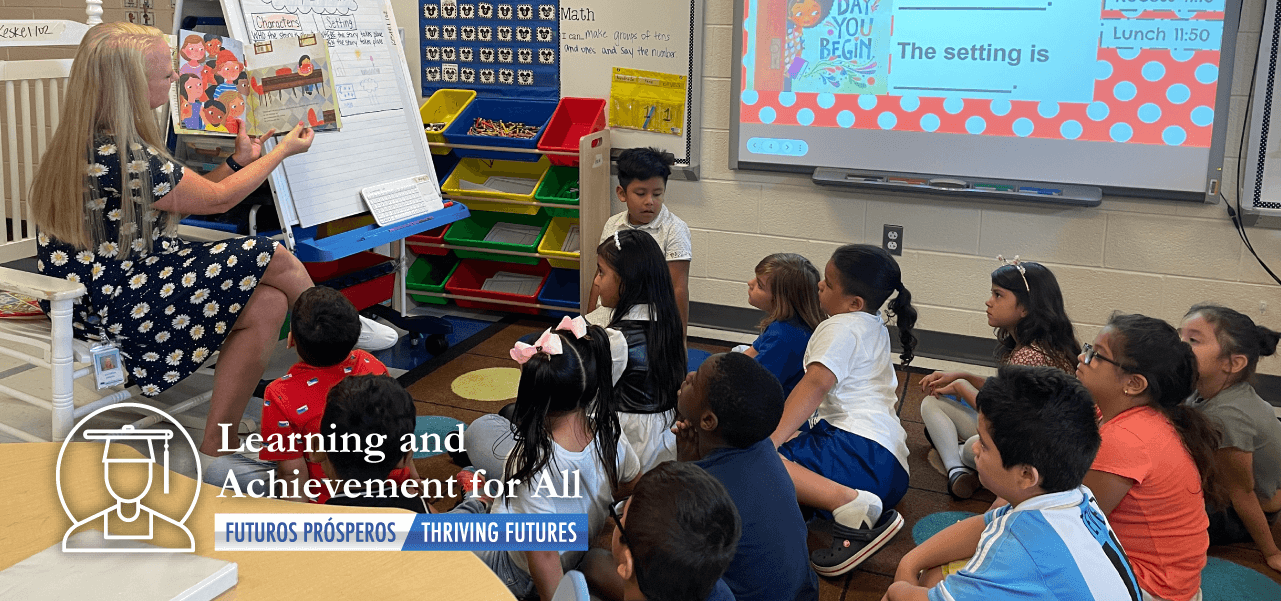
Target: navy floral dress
[(168, 309)]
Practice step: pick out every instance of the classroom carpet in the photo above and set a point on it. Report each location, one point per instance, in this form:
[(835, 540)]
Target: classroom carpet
[(438, 393)]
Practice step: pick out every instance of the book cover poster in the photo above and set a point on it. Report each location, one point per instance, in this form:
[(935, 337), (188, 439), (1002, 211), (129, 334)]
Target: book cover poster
[(837, 46), (292, 81), (212, 86)]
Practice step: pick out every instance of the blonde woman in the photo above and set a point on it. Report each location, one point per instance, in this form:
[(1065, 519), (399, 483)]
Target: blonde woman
[(107, 199)]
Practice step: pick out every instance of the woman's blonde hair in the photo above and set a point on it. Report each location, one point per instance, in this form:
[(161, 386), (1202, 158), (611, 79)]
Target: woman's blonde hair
[(793, 282), (106, 95)]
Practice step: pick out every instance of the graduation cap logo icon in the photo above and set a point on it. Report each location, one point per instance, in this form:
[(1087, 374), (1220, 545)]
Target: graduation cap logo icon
[(145, 501)]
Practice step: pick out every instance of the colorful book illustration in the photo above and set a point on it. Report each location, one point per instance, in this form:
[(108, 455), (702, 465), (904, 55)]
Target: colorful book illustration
[(13, 304), (273, 84), (837, 47)]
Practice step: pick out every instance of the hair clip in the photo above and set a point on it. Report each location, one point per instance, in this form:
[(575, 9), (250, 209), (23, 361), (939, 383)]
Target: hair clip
[(547, 344), (1018, 266), (576, 326), (617, 244)]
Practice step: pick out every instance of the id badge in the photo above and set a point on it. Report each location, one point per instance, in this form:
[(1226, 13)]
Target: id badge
[(107, 366)]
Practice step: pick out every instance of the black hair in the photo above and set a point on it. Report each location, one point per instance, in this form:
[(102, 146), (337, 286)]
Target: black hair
[(746, 398), (365, 405), (682, 529), (642, 164), (1046, 324), (1238, 335), (214, 104), (325, 326), (303, 58), (824, 7), (211, 36), (578, 379), (1042, 417), (1152, 348), (643, 279), (243, 75), (871, 273), (182, 88)]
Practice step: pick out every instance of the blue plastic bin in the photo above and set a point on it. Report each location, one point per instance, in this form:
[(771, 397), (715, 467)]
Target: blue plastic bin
[(561, 290), (529, 112)]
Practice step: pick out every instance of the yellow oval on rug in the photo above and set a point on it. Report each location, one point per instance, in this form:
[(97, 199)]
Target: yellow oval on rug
[(488, 385)]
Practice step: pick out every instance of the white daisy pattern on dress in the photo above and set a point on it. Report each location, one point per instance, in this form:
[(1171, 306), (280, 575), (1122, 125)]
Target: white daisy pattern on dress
[(175, 357), (137, 279)]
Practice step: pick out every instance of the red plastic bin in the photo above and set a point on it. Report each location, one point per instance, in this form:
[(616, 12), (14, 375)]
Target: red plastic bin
[(436, 236), (472, 273), (573, 119), (365, 278)]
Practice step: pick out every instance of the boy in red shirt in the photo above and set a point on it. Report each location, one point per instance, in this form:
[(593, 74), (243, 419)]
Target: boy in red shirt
[(324, 327)]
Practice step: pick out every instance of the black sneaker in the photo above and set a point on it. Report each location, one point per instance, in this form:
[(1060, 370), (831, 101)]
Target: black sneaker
[(962, 482), (851, 547)]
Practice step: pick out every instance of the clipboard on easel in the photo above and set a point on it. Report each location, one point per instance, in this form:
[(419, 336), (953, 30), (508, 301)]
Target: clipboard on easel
[(381, 139)]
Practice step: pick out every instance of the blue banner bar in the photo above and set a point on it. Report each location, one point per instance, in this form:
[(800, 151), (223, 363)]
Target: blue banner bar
[(498, 532)]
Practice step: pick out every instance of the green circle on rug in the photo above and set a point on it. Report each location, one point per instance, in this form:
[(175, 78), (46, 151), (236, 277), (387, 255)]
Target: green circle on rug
[(489, 385)]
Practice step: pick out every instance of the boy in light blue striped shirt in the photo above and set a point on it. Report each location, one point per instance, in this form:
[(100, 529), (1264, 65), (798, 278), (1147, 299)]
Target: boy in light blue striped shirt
[(1037, 439)]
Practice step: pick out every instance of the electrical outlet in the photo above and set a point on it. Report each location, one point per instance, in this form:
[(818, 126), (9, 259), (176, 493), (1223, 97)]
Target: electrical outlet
[(892, 239)]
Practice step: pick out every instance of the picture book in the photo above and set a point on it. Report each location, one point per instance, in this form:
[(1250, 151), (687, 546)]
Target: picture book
[(13, 304), (271, 84)]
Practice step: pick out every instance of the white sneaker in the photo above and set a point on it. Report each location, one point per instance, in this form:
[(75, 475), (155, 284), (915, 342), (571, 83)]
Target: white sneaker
[(375, 336)]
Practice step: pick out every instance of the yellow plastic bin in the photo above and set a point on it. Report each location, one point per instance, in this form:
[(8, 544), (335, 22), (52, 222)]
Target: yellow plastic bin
[(471, 173), (443, 107), (550, 247)]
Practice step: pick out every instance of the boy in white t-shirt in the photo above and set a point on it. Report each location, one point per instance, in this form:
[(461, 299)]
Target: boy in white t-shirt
[(1037, 439), (642, 180)]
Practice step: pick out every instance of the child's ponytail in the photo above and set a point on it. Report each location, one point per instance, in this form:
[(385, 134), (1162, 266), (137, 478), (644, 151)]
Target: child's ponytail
[(905, 319), (575, 379), (601, 413)]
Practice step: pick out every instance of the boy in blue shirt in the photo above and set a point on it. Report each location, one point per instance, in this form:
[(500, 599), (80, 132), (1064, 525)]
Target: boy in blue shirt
[(1037, 439), (727, 411)]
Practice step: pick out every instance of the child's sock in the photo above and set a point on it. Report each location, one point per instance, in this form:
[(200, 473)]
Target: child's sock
[(863, 512), (204, 460)]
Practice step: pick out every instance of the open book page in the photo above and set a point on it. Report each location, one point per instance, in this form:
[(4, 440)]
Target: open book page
[(292, 82), (212, 89)]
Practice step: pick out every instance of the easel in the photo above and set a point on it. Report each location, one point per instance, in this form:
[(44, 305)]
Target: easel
[(305, 241)]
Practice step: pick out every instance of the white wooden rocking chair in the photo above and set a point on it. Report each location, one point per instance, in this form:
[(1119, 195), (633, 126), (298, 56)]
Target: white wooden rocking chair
[(31, 93)]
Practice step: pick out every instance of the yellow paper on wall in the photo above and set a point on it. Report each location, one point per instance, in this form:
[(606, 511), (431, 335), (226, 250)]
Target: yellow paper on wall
[(647, 100)]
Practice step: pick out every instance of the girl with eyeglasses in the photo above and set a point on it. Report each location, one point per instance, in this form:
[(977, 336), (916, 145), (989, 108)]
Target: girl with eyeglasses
[(1153, 473), (1032, 328), (1227, 345)]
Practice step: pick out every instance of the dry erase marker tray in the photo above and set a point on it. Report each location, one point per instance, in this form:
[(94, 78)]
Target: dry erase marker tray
[(439, 112), (534, 113), (511, 184), (309, 247), (560, 245), (559, 186), (429, 274), (504, 232), (573, 119), (470, 279)]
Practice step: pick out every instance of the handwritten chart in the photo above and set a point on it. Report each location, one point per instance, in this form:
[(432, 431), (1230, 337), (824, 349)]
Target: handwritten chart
[(357, 41)]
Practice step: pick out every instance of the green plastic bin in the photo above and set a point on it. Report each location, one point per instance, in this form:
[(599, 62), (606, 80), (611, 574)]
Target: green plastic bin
[(429, 274), (471, 232), (555, 188)]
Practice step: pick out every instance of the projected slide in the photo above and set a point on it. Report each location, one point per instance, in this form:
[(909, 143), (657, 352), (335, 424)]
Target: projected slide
[(1119, 71)]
